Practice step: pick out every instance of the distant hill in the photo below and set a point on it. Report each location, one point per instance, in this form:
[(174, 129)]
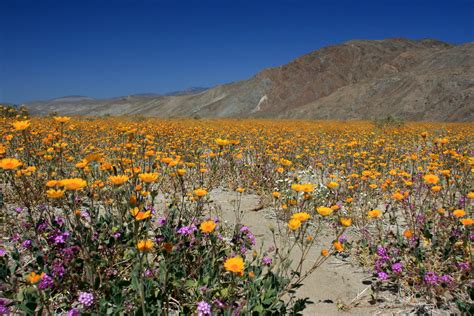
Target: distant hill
[(360, 79)]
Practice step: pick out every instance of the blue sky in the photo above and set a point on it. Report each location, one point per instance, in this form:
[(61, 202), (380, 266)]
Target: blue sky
[(112, 48)]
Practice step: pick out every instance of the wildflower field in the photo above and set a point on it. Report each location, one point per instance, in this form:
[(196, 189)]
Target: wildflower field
[(116, 216)]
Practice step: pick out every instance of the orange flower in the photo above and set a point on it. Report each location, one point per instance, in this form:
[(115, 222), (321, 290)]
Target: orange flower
[(21, 125), (332, 185), (294, 224), (148, 177), (374, 213), (467, 221), (408, 233), (459, 213), (145, 245), (301, 216), (200, 192), (345, 221), (207, 226), (397, 196), (139, 215), (73, 183), (240, 190), (62, 119), (118, 180), (55, 194), (52, 183), (222, 142), (324, 252), (10, 163), (235, 265), (338, 246), (324, 211), (436, 188), (431, 179), (33, 277)]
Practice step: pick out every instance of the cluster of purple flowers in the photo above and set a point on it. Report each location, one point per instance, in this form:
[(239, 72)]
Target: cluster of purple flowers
[(86, 298), (187, 230), (203, 308), (382, 263), (47, 282)]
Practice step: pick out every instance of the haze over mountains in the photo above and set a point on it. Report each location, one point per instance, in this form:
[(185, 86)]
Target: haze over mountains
[(361, 79)]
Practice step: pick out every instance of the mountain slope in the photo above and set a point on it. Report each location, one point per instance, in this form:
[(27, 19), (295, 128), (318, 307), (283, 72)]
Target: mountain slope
[(413, 80)]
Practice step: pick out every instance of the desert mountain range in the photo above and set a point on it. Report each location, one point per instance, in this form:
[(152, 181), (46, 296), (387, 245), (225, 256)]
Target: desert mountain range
[(361, 79)]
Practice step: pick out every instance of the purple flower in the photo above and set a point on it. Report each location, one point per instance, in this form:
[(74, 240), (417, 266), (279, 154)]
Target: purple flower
[(58, 269), (243, 250), (73, 312), (3, 307), (463, 265), (19, 210), (342, 238), (267, 260), (117, 235), (2, 252), (161, 221), (46, 282), (382, 275), (446, 278), (187, 230), (26, 243), (431, 278), (203, 308), (86, 298), (397, 267)]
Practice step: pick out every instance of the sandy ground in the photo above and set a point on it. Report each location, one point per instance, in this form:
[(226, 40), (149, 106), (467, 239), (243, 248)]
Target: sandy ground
[(336, 288), (335, 283)]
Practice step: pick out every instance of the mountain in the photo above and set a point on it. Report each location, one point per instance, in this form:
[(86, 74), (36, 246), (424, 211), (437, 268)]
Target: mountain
[(360, 79)]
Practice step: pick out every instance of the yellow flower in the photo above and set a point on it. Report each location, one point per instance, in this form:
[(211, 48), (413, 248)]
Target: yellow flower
[(148, 177), (294, 224), (222, 142), (207, 226), (431, 178), (73, 183), (301, 216), (459, 213), (470, 195), (145, 245), (33, 277), (62, 119), (52, 183), (9, 163), (235, 265), (397, 196), (55, 194), (324, 211), (240, 190), (118, 180), (181, 172), (21, 125), (332, 185), (297, 187), (436, 188), (345, 221), (200, 192), (307, 187), (139, 215), (374, 213)]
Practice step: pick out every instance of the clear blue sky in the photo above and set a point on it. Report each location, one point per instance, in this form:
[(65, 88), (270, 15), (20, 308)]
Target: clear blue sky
[(112, 48)]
